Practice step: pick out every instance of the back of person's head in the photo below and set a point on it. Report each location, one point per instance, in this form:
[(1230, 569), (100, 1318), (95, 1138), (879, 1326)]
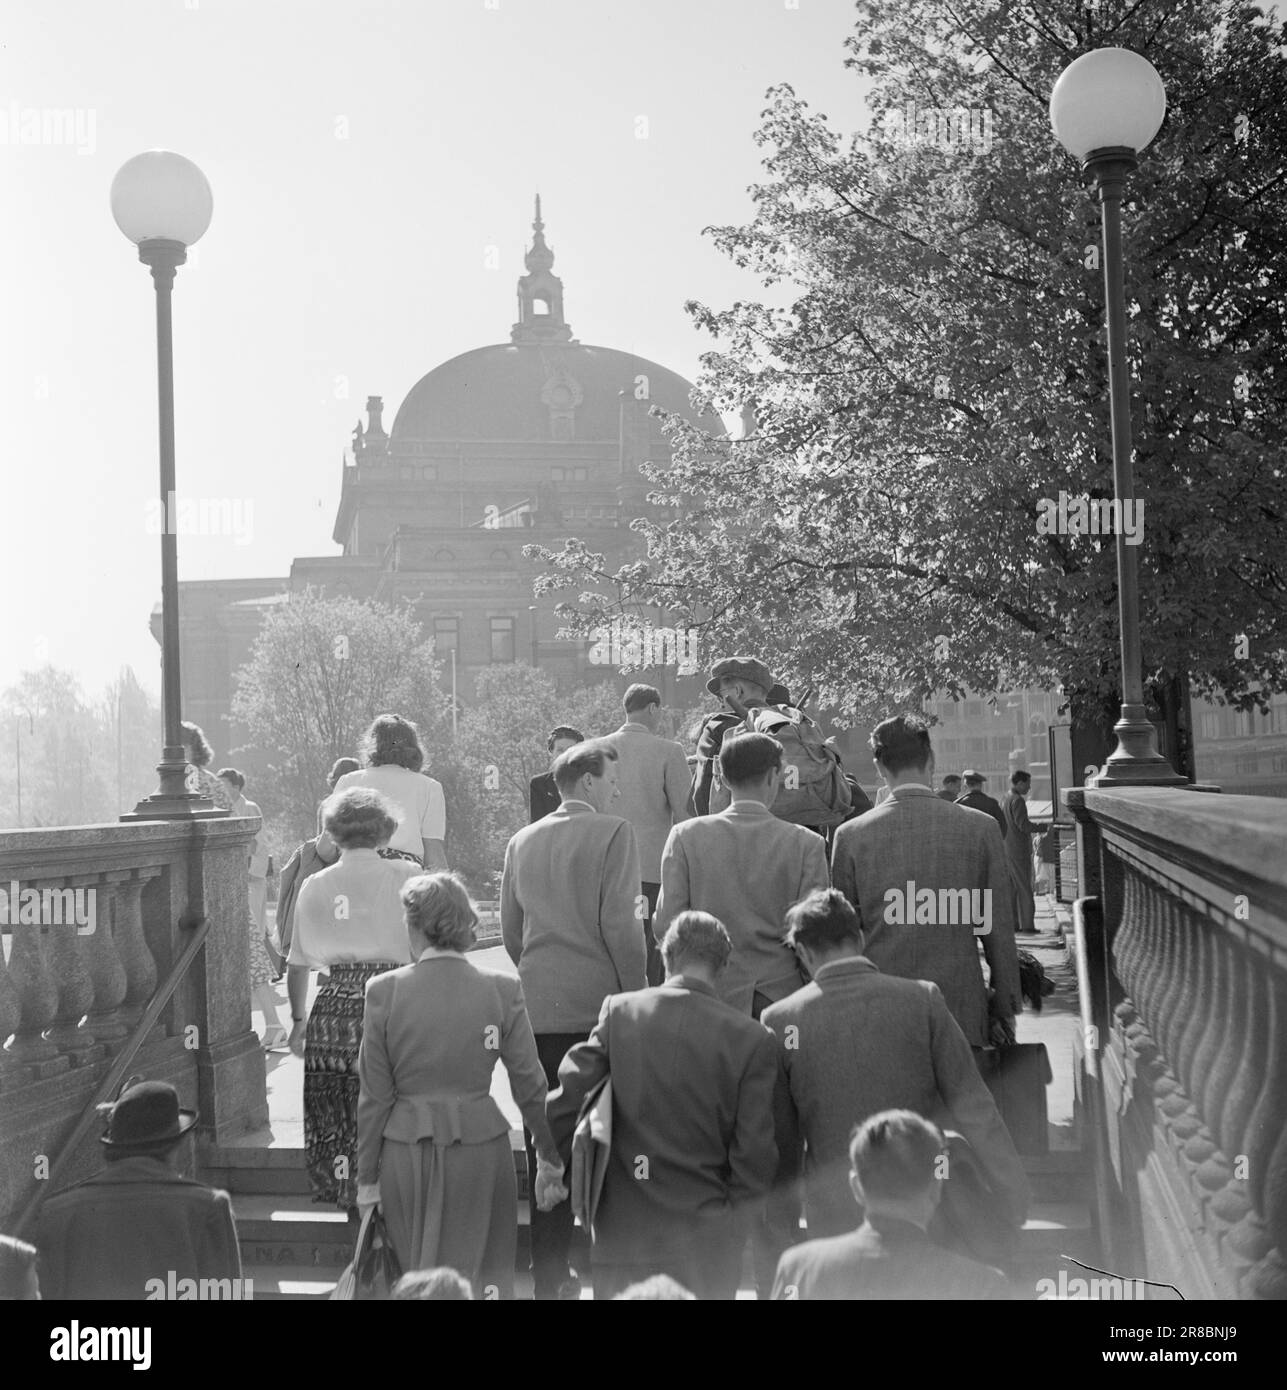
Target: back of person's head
[(438, 906), (392, 740), (696, 938), (359, 818), (440, 1282), (974, 780), (199, 751), (823, 922), (746, 758), (591, 756), (952, 779), (895, 1155), (232, 776), (341, 768), (563, 731), (1020, 779), (901, 743), (17, 1270), (657, 1287), (639, 697)]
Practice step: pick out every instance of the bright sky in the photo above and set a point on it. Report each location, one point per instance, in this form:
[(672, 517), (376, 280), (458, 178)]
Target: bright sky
[(364, 157)]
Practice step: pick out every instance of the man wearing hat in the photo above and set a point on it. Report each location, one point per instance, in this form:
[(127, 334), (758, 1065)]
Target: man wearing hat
[(749, 683), (138, 1220), (977, 798)]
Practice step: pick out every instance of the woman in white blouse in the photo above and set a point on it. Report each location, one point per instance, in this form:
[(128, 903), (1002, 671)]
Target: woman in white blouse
[(392, 757), (348, 920)]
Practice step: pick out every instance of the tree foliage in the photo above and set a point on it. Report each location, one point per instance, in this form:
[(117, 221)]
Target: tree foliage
[(941, 368)]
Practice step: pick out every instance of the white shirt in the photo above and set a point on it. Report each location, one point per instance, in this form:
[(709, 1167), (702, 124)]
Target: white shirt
[(352, 911), (421, 806)]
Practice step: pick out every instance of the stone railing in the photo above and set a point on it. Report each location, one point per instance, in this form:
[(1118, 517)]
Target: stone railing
[(1185, 901), (94, 916)]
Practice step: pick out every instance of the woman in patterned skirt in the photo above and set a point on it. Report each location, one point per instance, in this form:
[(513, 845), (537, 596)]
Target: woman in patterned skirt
[(348, 920)]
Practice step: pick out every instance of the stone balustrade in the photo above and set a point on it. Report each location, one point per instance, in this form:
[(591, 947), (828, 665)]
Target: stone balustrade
[(94, 918), (1193, 1061)]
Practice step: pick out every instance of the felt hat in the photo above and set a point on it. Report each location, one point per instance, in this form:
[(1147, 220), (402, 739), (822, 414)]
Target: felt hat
[(146, 1116), (746, 668)]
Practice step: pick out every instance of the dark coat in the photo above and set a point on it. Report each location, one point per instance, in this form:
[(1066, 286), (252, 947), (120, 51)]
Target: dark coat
[(981, 801), (135, 1221), (542, 797)]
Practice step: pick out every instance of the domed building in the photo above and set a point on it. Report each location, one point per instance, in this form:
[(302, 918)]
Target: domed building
[(534, 440)]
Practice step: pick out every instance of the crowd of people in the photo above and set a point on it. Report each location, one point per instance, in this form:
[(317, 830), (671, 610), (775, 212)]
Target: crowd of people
[(785, 1056)]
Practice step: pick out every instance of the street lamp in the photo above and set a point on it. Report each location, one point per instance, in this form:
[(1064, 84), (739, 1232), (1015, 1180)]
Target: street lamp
[(162, 203), (1106, 107), (531, 608)]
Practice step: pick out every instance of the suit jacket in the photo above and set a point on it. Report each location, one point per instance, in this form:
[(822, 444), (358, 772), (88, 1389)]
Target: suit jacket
[(862, 1042), (569, 918), (915, 837), (542, 797), (689, 1170), (431, 1035), (653, 777), (745, 867), (136, 1220), (981, 801), (884, 1258), (1018, 840)]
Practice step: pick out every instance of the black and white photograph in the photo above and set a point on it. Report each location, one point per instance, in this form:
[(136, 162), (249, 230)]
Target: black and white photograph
[(644, 658)]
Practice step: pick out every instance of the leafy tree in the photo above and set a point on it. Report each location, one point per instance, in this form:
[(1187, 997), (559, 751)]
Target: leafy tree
[(941, 368), (320, 670)]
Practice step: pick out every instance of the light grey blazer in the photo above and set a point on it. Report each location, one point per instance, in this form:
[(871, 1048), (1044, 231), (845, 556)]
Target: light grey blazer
[(915, 837), (653, 776), (745, 867)]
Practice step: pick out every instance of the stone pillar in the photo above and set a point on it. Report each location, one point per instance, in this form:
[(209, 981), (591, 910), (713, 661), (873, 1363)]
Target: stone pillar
[(67, 956), (106, 969), (38, 999)]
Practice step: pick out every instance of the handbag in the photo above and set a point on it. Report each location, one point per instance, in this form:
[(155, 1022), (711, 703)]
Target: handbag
[(1018, 1076), (591, 1145), (373, 1271)]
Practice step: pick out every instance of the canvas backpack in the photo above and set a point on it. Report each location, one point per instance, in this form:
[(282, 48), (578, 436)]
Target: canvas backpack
[(813, 790)]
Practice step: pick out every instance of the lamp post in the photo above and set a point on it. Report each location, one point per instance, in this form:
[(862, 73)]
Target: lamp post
[(1107, 106), (531, 608), (162, 203)]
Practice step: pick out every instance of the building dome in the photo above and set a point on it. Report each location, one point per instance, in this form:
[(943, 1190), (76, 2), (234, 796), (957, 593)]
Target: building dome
[(536, 392)]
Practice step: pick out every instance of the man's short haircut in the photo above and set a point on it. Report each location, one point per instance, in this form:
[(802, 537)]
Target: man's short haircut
[(895, 1154), (359, 818), (951, 777), (563, 731), (747, 757), (1020, 776), (901, 742), (438, 1283), (16, 1259), (975, 779), (698, 937), (656, 1287), (640, 697), (822, 921), (591, 756), (230, 774)]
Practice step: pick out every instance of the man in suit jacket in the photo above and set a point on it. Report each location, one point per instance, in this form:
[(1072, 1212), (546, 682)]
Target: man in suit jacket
[(1018, 848), (570, 912), (745, 867), (862, 1042), (122, 1233), (978, 800), (653, 776), (692, 1125), (895, 1161), (542, 795), (928, 880), (951, 788)]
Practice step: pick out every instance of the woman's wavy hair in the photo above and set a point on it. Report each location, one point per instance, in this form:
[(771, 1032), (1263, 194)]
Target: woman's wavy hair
[(195, 741), (393, 740), (360, 818), (439, 908)]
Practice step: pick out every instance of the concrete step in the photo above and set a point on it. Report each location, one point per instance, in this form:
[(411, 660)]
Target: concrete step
[(1059, 1176), (295, 1282)]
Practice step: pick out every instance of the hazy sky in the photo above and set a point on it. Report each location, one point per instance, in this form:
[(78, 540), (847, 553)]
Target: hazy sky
[(364, 155)]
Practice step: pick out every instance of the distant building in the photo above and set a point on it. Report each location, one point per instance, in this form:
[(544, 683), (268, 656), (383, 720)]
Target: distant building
[(531, 441), (1242, 753)]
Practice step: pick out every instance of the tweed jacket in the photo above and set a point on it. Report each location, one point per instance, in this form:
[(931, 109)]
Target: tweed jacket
[(431, 1036), (653, 776), (137, 1220), (1018, 840), (862, 1042), (707, 1153), (916, 838), (745, 867), (570, 919)]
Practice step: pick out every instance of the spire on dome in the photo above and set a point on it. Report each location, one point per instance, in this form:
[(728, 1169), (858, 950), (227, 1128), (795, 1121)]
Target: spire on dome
[(540, 294)]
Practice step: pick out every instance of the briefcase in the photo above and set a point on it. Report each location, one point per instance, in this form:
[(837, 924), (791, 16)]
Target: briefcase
[(1018, 1076), (591, 1146)]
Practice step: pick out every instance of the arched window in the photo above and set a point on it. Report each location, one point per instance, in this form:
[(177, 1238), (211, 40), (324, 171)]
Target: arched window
[(444, 557), (540, 305), (500, 557)]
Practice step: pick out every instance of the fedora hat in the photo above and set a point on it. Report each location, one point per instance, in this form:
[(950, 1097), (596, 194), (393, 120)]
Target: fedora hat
[(969, 775), (146, 1116), (746, 668)]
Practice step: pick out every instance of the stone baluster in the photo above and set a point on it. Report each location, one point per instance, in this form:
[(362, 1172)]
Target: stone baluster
[(132, 947), (38, 997), (10, 1016), (65, 938), (106, 969), (1267, 1152)]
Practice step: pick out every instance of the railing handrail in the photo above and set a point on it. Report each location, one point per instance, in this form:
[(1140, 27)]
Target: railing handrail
[(121, 1064)]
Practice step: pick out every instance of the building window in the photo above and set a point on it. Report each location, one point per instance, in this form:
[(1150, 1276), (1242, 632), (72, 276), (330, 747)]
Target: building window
[(1247, 767), (1210, 726), (502, 633), (446, 635), (558, 475), (1280, 762), (444, 557), (580, 475)]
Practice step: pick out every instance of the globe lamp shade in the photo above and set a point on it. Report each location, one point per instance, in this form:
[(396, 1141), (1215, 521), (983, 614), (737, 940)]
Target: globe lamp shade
[(161, 196), (1109, 99)]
